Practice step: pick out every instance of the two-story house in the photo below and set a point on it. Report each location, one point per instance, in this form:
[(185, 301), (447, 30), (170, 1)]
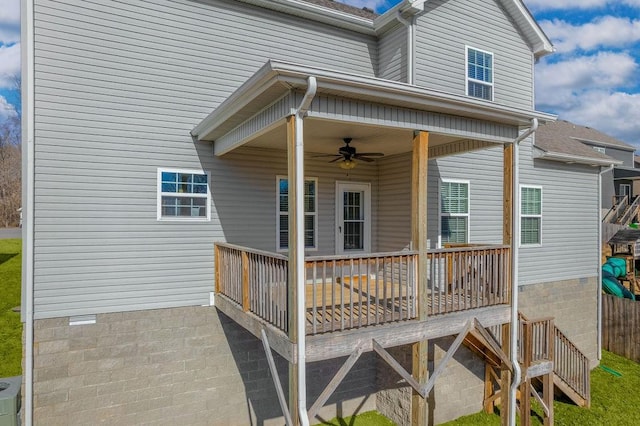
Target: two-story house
[(253, 211)]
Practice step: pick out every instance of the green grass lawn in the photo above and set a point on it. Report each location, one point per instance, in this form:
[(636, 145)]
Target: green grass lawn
[(10, 325), (613, 402)]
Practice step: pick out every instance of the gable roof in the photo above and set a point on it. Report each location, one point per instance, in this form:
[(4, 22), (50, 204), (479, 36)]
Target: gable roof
[(565, 141), (341, 15)]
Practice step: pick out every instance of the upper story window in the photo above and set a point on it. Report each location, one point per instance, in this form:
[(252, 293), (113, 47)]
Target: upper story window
[(600, 149), (530, 215), (183, 195), (310, 213), (454, 211), (479, 74)]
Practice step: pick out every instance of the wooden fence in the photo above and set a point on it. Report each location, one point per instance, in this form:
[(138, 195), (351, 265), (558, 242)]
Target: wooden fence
[(620, 326)]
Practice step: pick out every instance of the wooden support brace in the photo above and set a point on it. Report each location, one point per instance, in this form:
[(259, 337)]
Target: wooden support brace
[(386, 356), (537, 397), (335, 382), (424, 390), (276, 380), (483, 335), (452, 350)]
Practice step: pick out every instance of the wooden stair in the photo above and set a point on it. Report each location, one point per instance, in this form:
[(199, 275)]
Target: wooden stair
[(571, 368), (572, 374)]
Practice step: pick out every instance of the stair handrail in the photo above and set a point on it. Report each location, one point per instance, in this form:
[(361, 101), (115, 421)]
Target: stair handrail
[(614, 212), (572, 366), (569, 363), (629, 212)]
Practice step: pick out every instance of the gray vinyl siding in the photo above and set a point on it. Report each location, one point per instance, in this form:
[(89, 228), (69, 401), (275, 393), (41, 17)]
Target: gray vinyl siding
[(118, 87), (447, 26), (244, 196), (483, 169), (392, 54), (570, 221), (394, 203), (620, 154)]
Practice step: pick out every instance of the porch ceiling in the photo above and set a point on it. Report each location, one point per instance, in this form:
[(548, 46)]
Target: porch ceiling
[(325, 137)]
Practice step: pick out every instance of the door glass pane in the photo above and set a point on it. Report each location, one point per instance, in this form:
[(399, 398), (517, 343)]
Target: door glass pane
[(353, 213), (353, 236)]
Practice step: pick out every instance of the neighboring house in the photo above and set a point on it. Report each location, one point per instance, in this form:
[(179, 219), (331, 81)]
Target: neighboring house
[(565, 138), (159, 133)]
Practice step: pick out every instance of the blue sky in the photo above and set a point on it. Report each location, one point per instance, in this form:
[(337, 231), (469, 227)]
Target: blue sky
[(593, 78)]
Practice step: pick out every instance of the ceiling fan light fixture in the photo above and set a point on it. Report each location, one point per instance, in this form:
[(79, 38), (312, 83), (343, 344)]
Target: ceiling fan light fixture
[(347, 164)]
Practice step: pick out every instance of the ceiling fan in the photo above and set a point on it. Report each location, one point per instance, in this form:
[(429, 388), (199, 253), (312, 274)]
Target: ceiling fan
[(348, 153)]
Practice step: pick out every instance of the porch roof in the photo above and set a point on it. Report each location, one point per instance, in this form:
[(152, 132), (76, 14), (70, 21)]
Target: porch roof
[(260, 105)]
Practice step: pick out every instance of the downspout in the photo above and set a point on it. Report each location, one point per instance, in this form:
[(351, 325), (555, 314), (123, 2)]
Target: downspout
[(515, 250), (599, 296), (410, 43), (300, 271), (28, 198)]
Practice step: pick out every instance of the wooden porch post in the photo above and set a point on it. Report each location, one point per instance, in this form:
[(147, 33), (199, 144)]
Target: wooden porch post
[(419, 164), (292, 287), (507, 239)]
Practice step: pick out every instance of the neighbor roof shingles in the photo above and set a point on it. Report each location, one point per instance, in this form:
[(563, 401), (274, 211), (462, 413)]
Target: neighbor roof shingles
[(564, 137)]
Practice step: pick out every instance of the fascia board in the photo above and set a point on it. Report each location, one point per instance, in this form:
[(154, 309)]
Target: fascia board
[(609, 144), (318, 13), (258, 83), (384, 21), (543, 45), (392, 91), (568, 158)]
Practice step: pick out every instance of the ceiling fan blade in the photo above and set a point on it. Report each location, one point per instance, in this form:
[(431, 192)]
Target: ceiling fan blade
[(325, 155), (362, 158), (371, 154), (338, 158)]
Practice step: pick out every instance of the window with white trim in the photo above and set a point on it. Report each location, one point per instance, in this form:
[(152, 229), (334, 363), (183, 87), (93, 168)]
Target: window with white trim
[(183, 195), (625, 189), (310, 213), (479, 74), (454, 211), (600, 149), (530, 215)]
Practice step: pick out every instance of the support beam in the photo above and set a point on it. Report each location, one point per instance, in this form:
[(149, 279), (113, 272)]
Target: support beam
[(507, 239), (292, 287), (419, 168), (276, 379)]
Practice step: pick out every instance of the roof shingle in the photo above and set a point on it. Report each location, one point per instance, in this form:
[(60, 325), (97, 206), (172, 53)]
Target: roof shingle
[(564, 137)]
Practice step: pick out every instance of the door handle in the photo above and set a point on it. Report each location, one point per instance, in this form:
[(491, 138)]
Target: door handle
[(340, 229)]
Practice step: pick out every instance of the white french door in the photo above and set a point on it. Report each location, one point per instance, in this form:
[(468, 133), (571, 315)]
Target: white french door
[(353, 217)]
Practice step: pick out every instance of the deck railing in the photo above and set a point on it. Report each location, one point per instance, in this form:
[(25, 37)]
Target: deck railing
[(468, 277), (351, 291), (536, 339), (255, 280)]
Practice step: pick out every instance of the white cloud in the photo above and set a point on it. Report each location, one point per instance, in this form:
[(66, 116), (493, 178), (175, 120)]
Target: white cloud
[(538, 5), (9, 21), (586, 90), (557, 82), (6, 109), (614, 113), (607, 31), (9, 65)]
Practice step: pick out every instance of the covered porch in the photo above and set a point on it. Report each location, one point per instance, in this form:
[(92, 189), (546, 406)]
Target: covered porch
[(337, 283)]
